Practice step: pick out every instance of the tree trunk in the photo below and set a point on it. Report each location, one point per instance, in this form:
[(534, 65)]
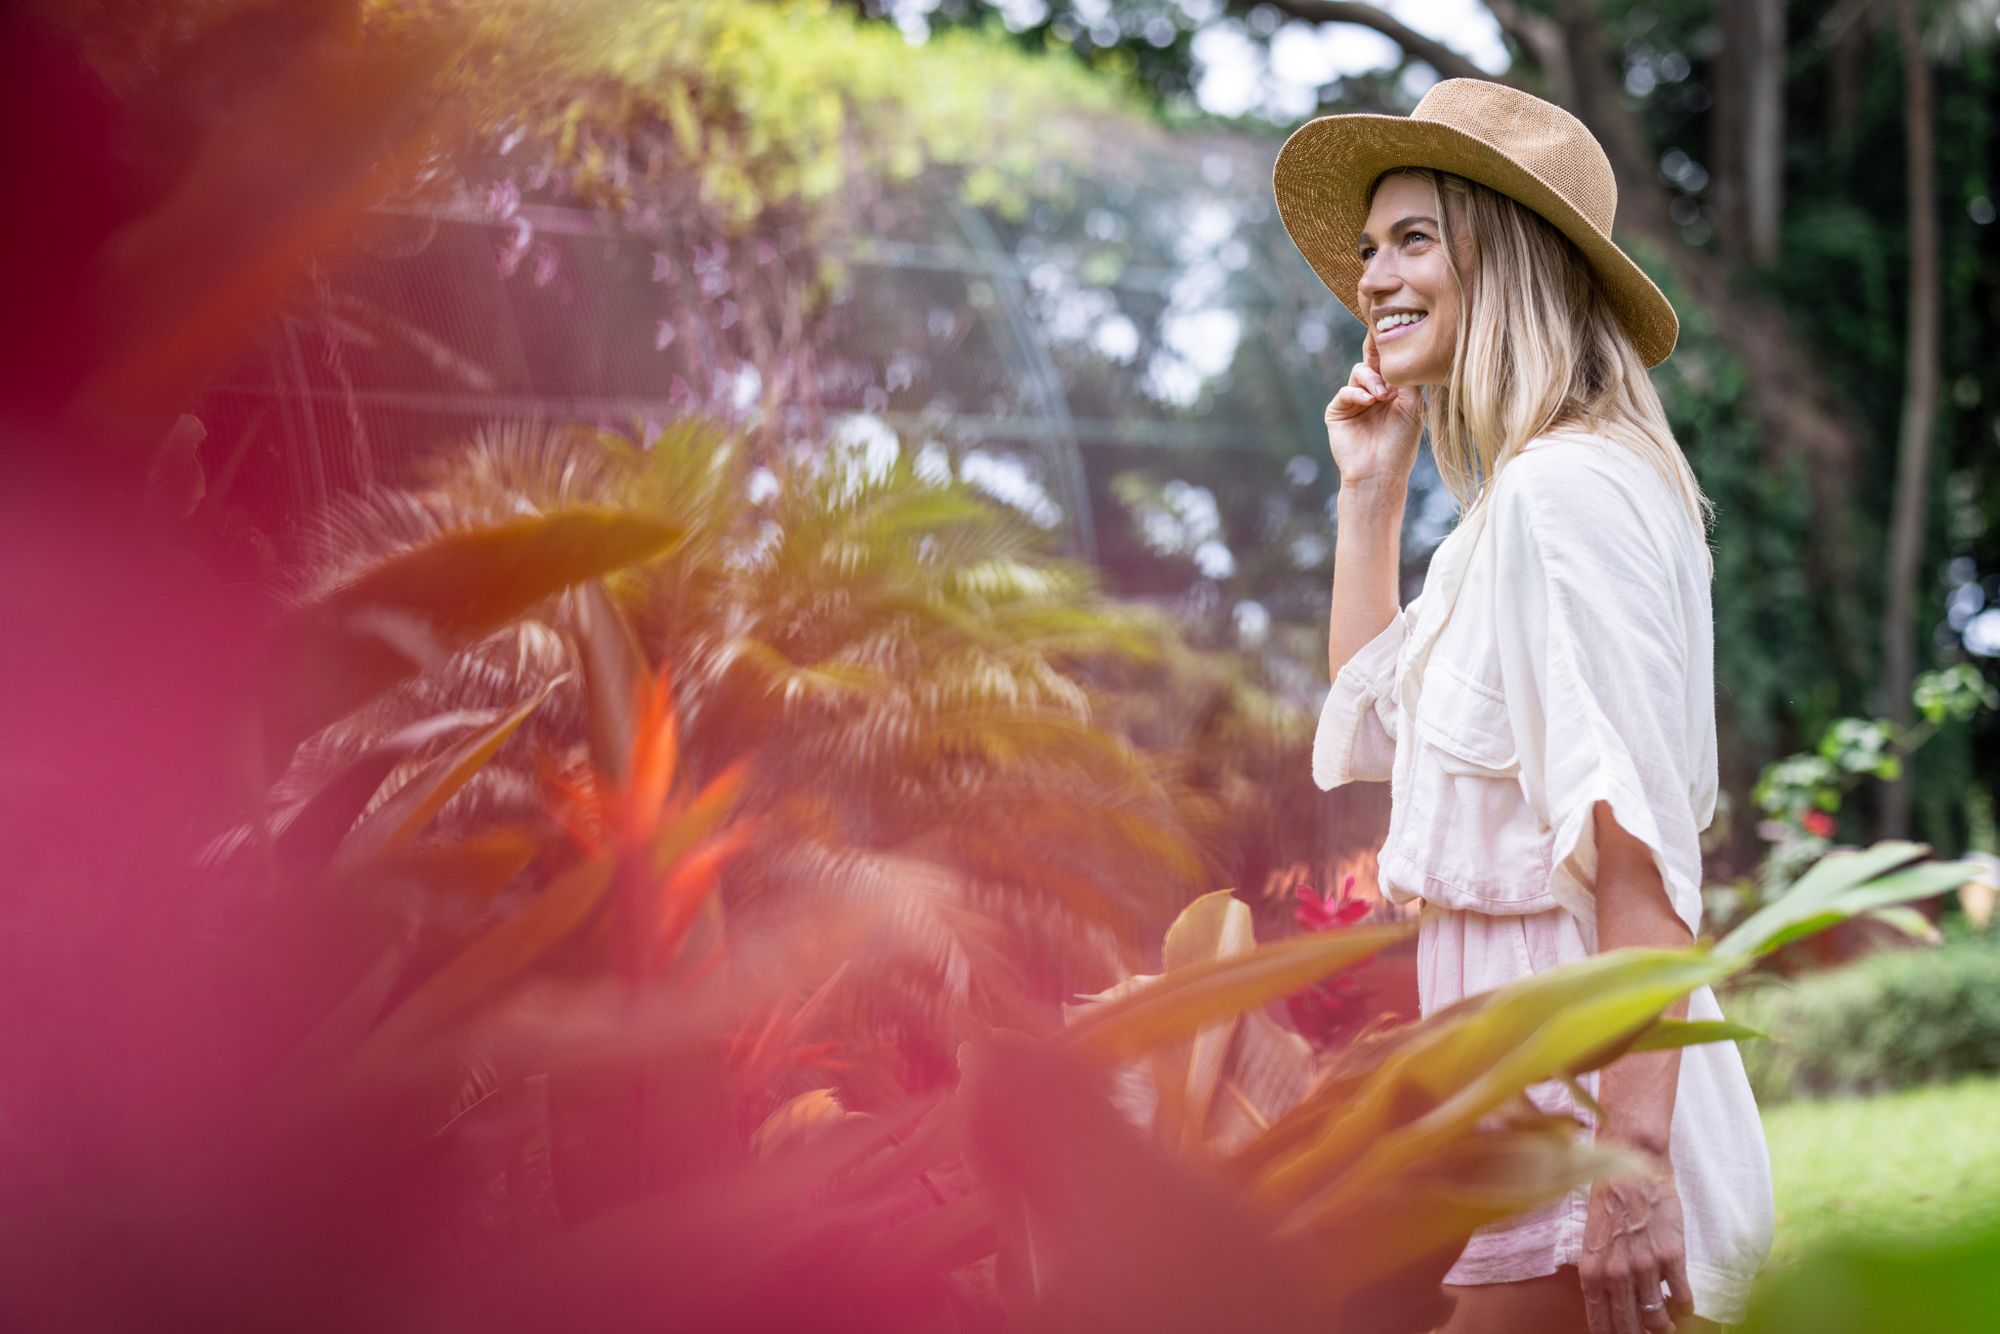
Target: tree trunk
[(1727, 164), (1764, 129), (1747, 131), (1920, 380)]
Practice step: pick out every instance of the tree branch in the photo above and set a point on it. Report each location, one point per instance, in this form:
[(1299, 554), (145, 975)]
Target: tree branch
[(1432, 52), (1542, 38)]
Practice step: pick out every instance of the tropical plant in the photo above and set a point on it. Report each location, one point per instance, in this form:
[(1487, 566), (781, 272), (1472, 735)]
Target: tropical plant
[(1399, 1147), (902, 666), (1802, 795)]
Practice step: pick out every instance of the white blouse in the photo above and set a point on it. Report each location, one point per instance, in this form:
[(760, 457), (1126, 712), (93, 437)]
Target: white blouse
[(1560, 654)]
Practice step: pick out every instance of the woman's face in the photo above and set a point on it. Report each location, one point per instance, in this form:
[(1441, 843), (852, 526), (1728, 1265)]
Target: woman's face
[(1404, 273)]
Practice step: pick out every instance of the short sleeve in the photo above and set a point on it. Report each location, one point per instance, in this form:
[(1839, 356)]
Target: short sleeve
[(1356, 739), (1598, 640)]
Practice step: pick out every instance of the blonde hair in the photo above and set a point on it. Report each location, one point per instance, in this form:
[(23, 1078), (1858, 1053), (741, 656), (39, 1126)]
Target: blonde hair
[(1538, 347)]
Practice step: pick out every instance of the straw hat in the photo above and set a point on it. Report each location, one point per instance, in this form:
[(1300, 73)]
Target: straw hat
[(1529, 150)]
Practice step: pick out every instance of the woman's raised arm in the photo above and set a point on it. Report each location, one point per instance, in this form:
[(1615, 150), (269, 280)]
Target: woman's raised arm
[(1373, 428)]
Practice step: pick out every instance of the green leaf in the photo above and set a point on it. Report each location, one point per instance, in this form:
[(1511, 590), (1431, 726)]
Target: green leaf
[(1395, 1243), (1910, 921), (314, 834), (1668, 1034), (614, 669), (403, 816), (414, 610), (1839, 886), (1417, 1089), (486, 968), (1179, 1004)]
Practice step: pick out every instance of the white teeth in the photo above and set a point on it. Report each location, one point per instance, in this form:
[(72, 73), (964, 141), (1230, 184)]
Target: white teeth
[(1388, 322)]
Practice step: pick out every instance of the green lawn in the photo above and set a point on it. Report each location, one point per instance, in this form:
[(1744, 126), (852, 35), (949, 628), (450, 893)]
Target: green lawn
[(1915, 1165)]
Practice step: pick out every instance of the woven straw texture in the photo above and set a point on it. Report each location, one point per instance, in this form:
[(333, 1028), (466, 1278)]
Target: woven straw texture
[(1533, 152)]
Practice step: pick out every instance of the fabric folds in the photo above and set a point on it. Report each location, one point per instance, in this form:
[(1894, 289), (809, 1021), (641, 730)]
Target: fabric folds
[(1356, 738), (1608, 681)]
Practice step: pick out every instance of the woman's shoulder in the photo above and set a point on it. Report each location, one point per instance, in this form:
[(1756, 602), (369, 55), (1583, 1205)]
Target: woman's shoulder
[(1569, 473), (1591, 496)]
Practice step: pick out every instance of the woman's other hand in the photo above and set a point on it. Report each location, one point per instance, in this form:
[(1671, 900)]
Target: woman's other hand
[(1632, 1249), (1374, 426)]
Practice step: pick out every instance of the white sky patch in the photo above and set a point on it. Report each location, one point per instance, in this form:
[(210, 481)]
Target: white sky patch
[(1185, 519), (1205, 226), (1214, 560), (1982, 634), (1172, 381), (1008, 481), (913, 17), (933, 463), (1253, 624), (1230, 68), (1116, 338), (743, 390), (864, 449), (1205, 339), (1235, 78), (1019, 14)]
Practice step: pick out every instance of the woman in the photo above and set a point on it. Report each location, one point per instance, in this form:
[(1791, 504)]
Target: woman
[(1545, 709)]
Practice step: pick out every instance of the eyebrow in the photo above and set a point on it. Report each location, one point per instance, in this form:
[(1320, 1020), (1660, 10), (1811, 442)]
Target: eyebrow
[(1400, 225)]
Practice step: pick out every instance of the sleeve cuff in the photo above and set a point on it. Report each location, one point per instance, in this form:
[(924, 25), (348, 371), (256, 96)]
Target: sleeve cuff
[(1573, 879), (1357, 724)]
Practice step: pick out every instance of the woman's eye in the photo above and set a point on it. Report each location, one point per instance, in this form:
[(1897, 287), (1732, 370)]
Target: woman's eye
[(1366, 251), (1413, 235)]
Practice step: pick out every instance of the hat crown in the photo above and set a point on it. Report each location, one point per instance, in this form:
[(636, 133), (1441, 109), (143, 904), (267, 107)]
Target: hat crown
[(1542, 137)]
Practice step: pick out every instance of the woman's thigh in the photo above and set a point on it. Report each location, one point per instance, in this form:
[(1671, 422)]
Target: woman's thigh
[(1552, 1304)]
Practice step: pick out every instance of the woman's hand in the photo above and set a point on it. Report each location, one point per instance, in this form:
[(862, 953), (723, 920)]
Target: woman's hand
[(1374, 426), (1632, 1244)]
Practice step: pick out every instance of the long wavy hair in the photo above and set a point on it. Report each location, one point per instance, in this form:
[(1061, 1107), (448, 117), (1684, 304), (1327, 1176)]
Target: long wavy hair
[(1538, 347)]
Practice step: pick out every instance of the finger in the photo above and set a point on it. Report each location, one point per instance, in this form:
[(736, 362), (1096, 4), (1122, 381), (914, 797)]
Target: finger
[(1623, 1299), (1654, 1313), (1367, 381), (1680, 1291), (1349, 401), (1596, 1306), (1370, 356)]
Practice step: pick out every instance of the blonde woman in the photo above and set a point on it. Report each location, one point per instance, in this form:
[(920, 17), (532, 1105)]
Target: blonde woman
[(1544, 710)]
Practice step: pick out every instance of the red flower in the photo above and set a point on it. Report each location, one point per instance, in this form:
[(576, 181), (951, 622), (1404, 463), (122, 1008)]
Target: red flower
[(1818, 823), (1314, 913)]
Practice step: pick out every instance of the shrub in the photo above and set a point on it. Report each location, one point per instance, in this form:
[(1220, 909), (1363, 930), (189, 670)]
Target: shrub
[(1888, 1021)]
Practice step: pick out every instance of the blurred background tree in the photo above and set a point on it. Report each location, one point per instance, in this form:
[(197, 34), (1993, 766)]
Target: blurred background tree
[(1772, 163)]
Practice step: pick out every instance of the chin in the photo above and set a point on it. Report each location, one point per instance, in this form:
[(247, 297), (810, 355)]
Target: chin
[(1410, 377)]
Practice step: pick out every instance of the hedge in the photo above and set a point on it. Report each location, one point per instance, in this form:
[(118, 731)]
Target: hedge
[(1888, 1021)]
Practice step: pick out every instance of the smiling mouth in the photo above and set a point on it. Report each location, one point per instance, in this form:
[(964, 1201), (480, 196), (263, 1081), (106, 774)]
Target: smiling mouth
[(1397, 331)]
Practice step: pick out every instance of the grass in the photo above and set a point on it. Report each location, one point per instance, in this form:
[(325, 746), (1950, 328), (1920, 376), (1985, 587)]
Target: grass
[(1913, 1166)]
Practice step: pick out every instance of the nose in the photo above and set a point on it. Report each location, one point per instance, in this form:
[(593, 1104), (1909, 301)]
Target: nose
[(1378, 280)]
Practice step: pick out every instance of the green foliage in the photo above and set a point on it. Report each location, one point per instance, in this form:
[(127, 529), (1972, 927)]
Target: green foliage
[(1888, 1021), (1955, 694), (1843, 885), (1943, 1282), (1803, 793), (762, 105), (908, 672), (1928, 1169), (413, 610)]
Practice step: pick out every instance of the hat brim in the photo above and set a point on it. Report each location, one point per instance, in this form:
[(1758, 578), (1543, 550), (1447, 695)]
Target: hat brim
[(1321, 180)]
